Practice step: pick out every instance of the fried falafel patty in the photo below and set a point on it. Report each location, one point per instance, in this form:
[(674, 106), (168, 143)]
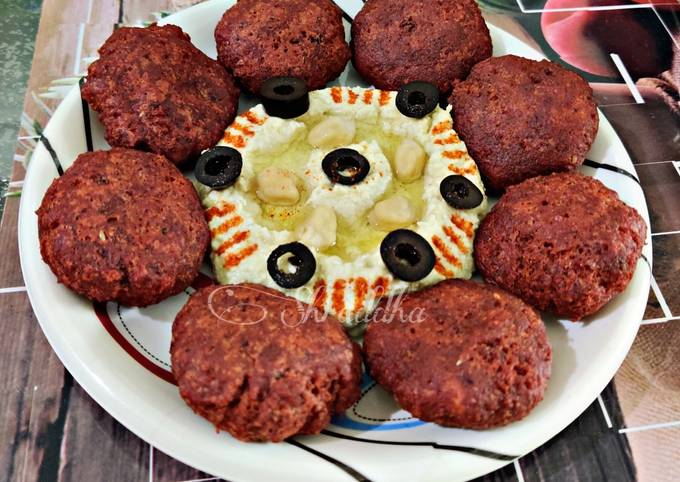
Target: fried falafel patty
[(261, 365), (395, 42), (155, 91), (563, 243), (460, 354), (123, 225), (521, 118), (259, 39)]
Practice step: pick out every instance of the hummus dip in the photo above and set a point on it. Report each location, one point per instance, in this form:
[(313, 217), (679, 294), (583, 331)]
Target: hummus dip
[(283, 195)]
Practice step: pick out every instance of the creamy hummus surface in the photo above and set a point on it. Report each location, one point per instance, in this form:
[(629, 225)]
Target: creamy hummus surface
[(283, 195)]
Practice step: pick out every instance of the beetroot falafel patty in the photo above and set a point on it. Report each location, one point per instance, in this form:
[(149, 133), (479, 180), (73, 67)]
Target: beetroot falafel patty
[(123, 225), (260, 39), (395, 42), (156, 92), (469, 355), (261, 365), (563, 243), (521, 118)]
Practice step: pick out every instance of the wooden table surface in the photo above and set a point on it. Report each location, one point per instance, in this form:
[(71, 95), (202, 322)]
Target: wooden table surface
[(52, 430)]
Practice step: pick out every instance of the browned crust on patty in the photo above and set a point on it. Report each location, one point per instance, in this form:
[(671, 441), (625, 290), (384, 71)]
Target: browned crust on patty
[(155, 91), (478, 358), (521, 118), (259, 39), (563, 243), (255, 363), (395, 42), (123, 226)]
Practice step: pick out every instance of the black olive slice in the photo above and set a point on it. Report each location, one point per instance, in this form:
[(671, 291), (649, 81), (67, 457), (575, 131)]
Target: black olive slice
[(460, 193), (417, 99), (285, 97), (219, 167), (407, 255), (301, 261), (345, 166)]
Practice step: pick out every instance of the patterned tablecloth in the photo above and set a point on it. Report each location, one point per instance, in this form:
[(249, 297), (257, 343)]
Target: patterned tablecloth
[(630, 52)]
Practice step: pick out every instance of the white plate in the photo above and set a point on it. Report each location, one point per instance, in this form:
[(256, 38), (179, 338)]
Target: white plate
[(122, 362)]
